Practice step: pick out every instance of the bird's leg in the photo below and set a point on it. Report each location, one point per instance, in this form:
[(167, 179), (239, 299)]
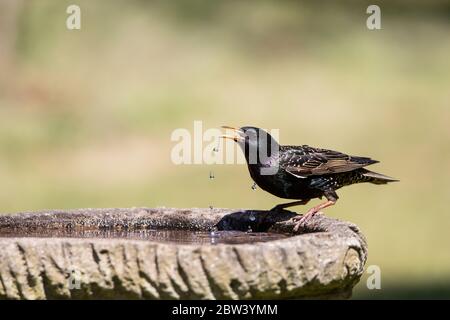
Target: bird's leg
[(311, 213), (282, 206)]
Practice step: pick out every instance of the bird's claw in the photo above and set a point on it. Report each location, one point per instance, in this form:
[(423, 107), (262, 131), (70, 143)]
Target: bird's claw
[(302, 220)]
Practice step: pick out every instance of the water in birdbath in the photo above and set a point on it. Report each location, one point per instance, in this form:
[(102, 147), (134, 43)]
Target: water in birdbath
[(165, 236)]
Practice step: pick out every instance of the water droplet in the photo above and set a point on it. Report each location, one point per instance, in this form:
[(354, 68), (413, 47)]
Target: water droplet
[(254, 186), (216, 149), (252, 217), (249, 230), (211, 175), (213, 231), (211, 207)]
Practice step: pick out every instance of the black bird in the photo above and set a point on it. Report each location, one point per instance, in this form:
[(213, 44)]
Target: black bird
[(301, 172)]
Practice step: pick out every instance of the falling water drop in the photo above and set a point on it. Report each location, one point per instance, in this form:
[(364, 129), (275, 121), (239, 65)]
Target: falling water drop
[(216, 148), (213, 231), (249, 230), (254, 186), (252, 217), (211, 175)]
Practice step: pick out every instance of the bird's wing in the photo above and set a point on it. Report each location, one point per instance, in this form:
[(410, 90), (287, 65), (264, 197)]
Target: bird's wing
[(305, 161)]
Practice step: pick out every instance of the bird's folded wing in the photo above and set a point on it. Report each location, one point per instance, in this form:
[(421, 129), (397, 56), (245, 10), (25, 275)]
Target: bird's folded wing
[(307, 161)]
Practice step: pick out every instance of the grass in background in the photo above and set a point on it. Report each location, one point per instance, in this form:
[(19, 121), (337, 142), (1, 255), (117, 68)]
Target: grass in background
[(86, 116)]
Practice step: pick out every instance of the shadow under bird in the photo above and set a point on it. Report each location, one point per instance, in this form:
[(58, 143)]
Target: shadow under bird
[(301, 172)]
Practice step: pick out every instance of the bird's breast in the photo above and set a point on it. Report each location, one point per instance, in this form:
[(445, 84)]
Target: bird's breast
[(280, 184)]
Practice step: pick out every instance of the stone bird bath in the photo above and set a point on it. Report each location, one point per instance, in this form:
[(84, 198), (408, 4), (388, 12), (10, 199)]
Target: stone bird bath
[(165, 253)]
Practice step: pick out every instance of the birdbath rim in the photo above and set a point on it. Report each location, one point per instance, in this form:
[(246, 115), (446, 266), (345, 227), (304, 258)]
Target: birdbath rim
[(325, 259)]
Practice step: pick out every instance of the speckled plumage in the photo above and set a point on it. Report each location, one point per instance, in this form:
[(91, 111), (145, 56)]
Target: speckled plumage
[(303, 172)]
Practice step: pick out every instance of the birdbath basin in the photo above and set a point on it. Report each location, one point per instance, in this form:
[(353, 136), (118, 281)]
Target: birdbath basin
[(165, 253)]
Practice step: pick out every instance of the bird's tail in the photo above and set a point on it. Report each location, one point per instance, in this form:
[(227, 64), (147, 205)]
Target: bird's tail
[(377, 178)]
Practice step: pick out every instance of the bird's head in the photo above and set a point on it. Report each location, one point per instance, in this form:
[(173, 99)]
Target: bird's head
[(256, 143)]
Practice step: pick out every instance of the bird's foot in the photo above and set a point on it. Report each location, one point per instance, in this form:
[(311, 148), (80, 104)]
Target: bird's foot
[(302, 220)]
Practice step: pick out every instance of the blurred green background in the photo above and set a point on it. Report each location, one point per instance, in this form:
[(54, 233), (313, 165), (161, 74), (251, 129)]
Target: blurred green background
[(86, 116)]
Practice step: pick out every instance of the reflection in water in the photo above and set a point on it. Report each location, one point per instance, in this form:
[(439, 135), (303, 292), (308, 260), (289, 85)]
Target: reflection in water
[(166, 236)]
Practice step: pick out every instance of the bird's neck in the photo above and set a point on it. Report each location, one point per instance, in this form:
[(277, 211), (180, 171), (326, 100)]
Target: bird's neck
[(260, 157)]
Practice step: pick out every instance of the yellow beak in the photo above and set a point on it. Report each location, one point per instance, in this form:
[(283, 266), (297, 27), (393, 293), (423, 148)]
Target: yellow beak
[(237, 134)]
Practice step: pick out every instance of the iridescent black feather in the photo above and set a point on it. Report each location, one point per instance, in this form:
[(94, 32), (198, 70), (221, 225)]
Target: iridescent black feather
[(304, 172)]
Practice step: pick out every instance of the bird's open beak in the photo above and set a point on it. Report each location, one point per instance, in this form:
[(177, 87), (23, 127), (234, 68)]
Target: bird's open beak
[(238, 134)]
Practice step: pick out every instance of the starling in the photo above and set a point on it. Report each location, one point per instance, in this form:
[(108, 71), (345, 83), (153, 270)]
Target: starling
[(301, 172)]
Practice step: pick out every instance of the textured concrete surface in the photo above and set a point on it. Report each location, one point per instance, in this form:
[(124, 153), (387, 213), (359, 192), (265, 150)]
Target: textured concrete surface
[(325, 260)]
